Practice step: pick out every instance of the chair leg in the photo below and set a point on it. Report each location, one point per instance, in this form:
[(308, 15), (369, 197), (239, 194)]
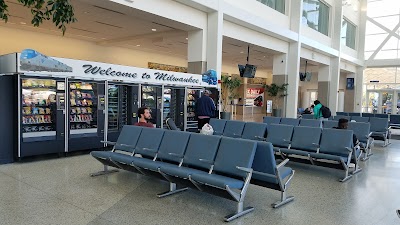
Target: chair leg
[(239, 212), (104, 171), (347, 176), (284, 199), (172, 190), (357, 168)]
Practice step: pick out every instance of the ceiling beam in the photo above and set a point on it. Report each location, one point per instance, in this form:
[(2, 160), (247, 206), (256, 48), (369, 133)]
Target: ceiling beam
[(163, 35)]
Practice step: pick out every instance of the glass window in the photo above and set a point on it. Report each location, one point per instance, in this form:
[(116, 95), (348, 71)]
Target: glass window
[(278, 5), (316, 15), (348, 32)]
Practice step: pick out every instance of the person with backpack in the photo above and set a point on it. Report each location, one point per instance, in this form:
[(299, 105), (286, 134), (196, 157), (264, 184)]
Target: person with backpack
[(320, 111)]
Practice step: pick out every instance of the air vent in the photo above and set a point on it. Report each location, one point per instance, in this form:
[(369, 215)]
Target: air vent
[(159, 24), (93, 32), (107, 24), (109, 10)]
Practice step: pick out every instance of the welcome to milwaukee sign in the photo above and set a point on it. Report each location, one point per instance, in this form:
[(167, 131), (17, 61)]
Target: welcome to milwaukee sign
[(95, 70)]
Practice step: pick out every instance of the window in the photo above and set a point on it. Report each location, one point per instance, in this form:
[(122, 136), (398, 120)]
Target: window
[(278, 5), (348, 34), (316, 15)]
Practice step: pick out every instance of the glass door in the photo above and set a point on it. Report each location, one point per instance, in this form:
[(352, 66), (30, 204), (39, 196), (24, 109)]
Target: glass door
[(380, 101), (152, 99), (117, 107), (387, 102), (191, 97)]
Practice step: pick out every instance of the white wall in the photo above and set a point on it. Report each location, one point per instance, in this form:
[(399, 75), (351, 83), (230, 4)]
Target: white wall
[(58, 46)]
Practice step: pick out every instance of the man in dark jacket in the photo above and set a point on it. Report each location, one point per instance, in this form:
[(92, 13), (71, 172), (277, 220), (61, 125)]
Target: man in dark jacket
[(205, 109), (343, 124)]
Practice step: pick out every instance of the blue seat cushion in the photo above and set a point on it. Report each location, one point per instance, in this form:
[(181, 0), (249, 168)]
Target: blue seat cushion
[(218, 180), (101, 154), (182, 172), (329, 157), (285, 171), (295, 152), (122, 158), (149, 164)]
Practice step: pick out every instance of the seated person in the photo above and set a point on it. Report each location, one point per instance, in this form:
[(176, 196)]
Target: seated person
[(144, 117), (309, 110), (343, 124)]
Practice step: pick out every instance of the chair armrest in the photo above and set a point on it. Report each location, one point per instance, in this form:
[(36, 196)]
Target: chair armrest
[(287, 141), (176, 155), (149, 149), (260, 138), (108, 142), (283, 163), (247, 170), (315, 144), (349, 149), (129, 146), (206, 161)]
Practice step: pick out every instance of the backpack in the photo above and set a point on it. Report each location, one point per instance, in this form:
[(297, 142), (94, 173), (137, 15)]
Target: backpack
[(326, 112)]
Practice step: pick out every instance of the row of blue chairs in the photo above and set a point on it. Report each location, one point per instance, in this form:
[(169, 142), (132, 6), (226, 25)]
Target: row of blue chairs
[(281, 135), (393, 118), (379, 127), (316, 146), (218, 165)]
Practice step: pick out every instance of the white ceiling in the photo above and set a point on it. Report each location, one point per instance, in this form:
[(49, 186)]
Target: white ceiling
[(112, 24)]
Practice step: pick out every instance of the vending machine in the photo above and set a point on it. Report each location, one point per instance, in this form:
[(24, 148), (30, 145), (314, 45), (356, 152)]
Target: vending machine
[(42, 115), (174, 106), (86, 113), (152, 97), (122, 106), (192, 94)]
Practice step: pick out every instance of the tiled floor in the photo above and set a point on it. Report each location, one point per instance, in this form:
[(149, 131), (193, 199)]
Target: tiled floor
[(60, 191)]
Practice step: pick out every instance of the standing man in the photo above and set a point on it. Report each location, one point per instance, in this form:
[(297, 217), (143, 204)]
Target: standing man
[(317, 110), (205, 109), (144, 117)]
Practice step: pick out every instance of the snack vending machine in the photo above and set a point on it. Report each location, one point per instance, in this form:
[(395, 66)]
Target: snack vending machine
[(41, 115), (86, 114), (122, 106), (152, 98), (192, 94), (173, 106)]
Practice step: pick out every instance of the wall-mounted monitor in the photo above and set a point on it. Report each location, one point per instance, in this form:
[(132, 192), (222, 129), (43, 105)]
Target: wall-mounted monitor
[(248, 70), (350, 84)]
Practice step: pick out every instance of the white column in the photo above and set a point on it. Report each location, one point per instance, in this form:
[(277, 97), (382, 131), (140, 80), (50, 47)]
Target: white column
[(197, 50), (334, 85), (214, 42), (358, 89), (293, 60)]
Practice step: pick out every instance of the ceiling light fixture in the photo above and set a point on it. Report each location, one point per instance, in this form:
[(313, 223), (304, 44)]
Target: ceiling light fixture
[(241, 52), (187, 38), (137, 45), (23, 23), (153, 29), (86, 12)]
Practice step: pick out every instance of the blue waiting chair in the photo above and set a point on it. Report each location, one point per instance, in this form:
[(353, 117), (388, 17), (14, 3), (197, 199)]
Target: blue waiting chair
[(231, 171), (310, 123), (290, 121), (360, 119), (280, 135), (218, 125), (329, 124), (342, 114), (267, 174), (363, 133), (354, 114), (234, 128), (395, 121), (125, 144), (336, 145), (271, 120), (305, 140), (147, 146), (307, 116), (368, 115), (338, 117), (380, 130), (254, 131), (381, 115), (199, 156)]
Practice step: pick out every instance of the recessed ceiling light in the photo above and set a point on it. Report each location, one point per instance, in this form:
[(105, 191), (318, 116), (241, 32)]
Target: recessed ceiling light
[(104, 38), (264, 56), (153, 29), (86, 12), (23, 23), (137, 45), (187, 38), (241, 52)]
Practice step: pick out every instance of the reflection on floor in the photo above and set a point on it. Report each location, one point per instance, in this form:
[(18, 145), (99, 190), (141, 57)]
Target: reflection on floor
[(60, 191)]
